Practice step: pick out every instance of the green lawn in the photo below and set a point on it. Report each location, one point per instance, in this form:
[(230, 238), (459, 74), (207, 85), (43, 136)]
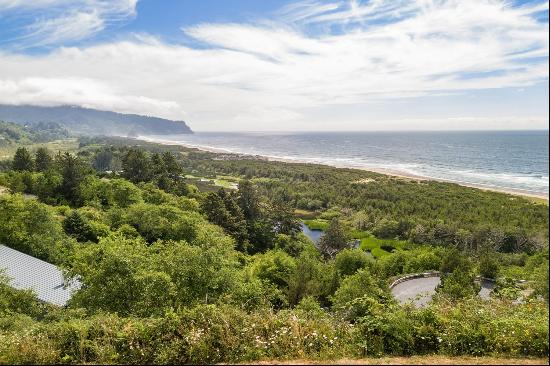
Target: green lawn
[(375, 245), (305, 214), (317, 224), (368, 242)]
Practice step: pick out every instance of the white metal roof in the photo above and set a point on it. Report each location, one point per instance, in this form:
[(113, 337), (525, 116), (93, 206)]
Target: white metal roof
[(27, 272)]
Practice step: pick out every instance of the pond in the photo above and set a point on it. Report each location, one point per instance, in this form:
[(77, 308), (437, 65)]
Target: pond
[(314, 235)]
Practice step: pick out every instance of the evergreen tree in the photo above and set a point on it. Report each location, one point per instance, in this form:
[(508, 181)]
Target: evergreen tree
[(22, 160), (223, 210), (157, 165), (102, 160), (249, 200), (76, 226), (236, 224), (42, 160), (72, 172), (136, 166), (171, 166), (283, 219), (214, 208)]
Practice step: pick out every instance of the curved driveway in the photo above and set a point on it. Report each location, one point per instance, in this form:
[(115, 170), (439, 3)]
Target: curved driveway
[(421, 290)]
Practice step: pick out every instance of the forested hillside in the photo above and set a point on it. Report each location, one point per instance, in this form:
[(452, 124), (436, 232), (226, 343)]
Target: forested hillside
[(12, 133), (172, 273), (92, 121)]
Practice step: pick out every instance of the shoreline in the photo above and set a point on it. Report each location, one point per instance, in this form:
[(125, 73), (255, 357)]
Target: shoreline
[(384, 171)]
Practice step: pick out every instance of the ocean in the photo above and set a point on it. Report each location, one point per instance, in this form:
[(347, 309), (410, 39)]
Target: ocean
[(502, 160)]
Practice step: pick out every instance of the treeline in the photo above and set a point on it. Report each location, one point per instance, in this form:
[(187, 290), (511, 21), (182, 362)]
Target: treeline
[(173, 275), (12, 133), (57, 179), (423, 212)]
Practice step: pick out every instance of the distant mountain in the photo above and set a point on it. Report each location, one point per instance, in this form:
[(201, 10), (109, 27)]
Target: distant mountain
[(87, 121)]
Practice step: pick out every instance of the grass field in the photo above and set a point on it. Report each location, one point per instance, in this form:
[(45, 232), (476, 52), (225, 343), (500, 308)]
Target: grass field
[(378, 247), (317, 224), (382, 247), (70, 145)]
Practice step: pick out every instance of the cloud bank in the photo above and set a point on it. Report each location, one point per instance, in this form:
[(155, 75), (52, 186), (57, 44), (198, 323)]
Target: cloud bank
[(281, 72)]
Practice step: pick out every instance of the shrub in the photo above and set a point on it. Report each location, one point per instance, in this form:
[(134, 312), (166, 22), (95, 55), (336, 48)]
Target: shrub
[(488, 266), (349, 261)]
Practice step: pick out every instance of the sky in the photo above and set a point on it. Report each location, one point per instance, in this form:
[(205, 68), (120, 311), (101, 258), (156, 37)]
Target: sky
[(310, 65)]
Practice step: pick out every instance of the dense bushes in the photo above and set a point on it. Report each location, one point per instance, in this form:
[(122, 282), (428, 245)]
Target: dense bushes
[(423, 212), (210, 333), (172, 275), (129, 277), (33, 228)]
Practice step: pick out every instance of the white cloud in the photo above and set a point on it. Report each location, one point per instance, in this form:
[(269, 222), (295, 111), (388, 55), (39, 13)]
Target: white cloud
[(52, 22), (277, 75), (79, 91)]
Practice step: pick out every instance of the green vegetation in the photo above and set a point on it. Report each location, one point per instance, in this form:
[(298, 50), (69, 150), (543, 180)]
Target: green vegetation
[(12, 133), (382, 247), (172, 273), (317, 224)]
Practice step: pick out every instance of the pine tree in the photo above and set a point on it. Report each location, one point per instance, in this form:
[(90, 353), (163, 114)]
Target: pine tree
[(249, 201), (136, 166), (22, 160), (76, 226), (72, 172), (171, 165), (42, 160)]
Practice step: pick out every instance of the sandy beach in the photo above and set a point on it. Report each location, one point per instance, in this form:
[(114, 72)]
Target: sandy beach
[(389, 172)]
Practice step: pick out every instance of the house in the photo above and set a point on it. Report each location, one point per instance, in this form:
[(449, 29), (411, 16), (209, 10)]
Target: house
[(27, 272)]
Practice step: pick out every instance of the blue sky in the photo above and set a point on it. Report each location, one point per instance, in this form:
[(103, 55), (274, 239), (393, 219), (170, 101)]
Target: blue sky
[(284, 65)]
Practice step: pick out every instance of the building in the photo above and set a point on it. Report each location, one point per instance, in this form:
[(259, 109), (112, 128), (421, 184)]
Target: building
[(27, 272)]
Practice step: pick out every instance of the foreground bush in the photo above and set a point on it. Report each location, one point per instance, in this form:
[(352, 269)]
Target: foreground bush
[(210, 333)]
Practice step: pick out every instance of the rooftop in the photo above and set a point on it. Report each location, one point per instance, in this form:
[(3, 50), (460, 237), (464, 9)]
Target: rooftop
[(27, 272)]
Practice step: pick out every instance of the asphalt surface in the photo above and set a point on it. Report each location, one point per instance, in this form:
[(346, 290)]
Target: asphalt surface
[(418, 290), (421, 290)]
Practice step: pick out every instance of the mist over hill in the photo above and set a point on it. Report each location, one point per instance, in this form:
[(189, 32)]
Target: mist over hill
[(88, 121)]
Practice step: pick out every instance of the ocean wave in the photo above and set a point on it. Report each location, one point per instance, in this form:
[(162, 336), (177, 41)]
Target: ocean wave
[(438, 170)]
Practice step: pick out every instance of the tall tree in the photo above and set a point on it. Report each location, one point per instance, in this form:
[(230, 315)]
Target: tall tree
[(222, 209), (22, 160), (72, 172), (136, 166), (249, 200), (42, 159), (102, 160), (157, 165), (283, 219), (171, 165), (76, 226)]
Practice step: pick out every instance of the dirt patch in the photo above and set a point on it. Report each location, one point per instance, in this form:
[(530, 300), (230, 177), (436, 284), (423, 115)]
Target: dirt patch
[(416, 360), (364, 181)]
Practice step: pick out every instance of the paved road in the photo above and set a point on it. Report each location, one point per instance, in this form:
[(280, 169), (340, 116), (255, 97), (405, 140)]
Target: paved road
[(421, 290)]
